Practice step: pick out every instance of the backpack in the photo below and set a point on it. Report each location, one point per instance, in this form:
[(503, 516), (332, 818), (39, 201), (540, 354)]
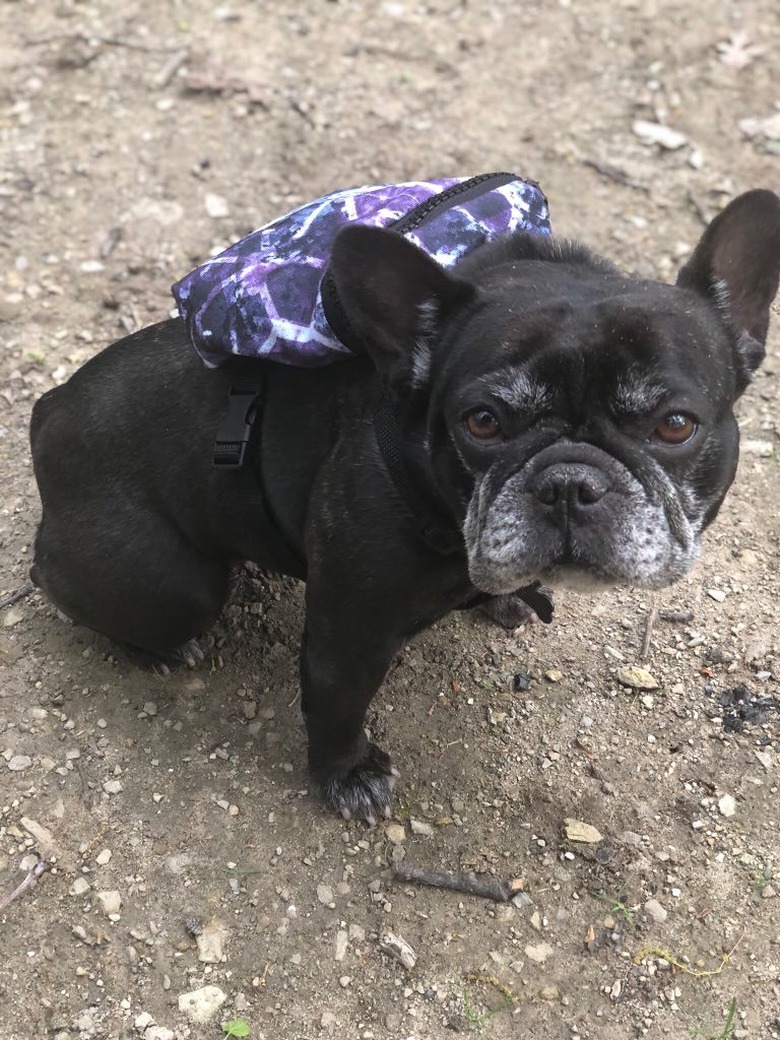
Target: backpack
[(268, 295)]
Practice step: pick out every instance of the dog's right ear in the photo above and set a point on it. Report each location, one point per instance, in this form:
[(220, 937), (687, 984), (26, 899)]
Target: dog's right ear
[(736, 265), (394, 299)]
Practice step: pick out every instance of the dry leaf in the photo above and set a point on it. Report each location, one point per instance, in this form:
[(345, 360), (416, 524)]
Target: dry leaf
[(738, 52)]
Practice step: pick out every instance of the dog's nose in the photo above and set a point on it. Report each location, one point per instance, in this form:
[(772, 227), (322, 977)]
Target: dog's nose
[(570, 485)]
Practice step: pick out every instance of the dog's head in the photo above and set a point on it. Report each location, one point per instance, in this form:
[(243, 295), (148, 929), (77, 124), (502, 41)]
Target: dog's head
[(579, 422)]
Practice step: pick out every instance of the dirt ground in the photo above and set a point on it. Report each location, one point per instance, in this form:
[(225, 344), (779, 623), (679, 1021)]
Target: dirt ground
[(136, 140)]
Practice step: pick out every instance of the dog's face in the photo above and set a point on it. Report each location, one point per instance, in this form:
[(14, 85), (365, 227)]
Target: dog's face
[(578, 422)]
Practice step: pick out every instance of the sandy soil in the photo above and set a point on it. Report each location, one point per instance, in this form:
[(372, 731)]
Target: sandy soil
[(186, 794)]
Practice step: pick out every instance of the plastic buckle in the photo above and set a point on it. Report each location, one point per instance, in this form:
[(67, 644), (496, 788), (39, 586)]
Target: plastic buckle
[(235, 430)]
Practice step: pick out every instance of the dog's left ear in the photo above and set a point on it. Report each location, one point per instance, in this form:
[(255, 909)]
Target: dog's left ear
[(737, 266), (394, 298)]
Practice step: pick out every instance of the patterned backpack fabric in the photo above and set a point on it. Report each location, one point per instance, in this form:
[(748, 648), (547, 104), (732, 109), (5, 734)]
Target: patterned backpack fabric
[(263, 297)]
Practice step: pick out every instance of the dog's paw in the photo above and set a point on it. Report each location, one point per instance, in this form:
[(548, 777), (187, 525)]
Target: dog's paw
[(530, 604), (365, 792), (189, 654)]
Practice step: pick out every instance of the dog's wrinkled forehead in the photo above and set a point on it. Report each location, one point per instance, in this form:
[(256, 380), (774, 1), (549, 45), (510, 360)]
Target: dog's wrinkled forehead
[(631, 342)]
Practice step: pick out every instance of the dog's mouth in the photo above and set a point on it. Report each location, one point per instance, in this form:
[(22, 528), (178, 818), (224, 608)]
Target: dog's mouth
[(577, 525)]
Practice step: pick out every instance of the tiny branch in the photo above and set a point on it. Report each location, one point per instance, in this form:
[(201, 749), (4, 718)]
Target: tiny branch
[(29, 882), (470, 884)]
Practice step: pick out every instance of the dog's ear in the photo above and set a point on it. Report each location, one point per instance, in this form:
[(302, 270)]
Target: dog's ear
[(737, 266), (394, 298)]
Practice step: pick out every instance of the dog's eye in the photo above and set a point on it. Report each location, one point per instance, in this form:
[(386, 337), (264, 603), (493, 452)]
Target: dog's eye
[(676, 428), (483, 425)]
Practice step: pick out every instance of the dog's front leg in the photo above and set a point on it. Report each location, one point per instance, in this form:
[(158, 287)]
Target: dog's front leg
[(344, 657)]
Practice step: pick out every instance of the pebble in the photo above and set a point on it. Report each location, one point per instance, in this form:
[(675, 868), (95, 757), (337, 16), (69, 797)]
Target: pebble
[(328, 1019), (419, 827), (149, 708), (717, 594), (200, 1005), (79, 887), (142, 1021), (13, 617), (727, 805), (110, 902), (637, 678), (655, 911), (103, 858), (539, 953), (159, 1033), (19, 762), (576, 830), (768, 892), (216, 206), (112, 786), (549, 993), (342, 939), (553, 675), (325, 894), (657, 133), (395, 833), (210, 941)]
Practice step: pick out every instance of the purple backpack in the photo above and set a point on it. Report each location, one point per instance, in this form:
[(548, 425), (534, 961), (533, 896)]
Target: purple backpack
[(263, 297)]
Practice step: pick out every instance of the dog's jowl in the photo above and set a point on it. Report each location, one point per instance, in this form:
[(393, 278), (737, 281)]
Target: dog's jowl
[(527, 414)]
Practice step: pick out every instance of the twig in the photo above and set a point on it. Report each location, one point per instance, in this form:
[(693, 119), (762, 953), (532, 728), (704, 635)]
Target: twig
[(470, 884), (17, 594), (29, 882), (109, 41), (170, 68), (614, 173), (649, 631)]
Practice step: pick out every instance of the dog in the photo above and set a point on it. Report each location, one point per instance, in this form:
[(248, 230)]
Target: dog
[(530, 415)]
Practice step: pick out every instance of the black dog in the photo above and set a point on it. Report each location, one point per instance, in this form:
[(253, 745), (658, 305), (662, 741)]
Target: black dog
[(534, 416)]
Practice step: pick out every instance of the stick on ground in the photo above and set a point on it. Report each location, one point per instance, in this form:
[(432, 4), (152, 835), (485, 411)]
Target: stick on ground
[(29, 882), (470, 884)]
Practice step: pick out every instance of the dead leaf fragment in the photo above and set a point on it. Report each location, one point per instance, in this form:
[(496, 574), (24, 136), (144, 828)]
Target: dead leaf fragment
[(738, 51)]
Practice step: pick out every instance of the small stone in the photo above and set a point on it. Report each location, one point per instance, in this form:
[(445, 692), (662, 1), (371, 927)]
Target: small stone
[(344, 981), (765, 758), (79, 887), (19, 762), (159, 1033), (328, 1020), (210, 941), (637, 678), (325, 894), (553, 675), (656, 133), (727, 805), (110, 902), (419, 827), (13, 617), (112, 786), (395, 833), (717, 594), (549, 993), (103, 858), (142, 1021), (216, 206), (149, 708), (655, 911), (768, 892), (576, 830), (539, 953), (200, 1005), (342, 939)]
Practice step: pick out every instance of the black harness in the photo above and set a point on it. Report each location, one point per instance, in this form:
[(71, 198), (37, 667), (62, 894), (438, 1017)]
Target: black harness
[(238, 431)]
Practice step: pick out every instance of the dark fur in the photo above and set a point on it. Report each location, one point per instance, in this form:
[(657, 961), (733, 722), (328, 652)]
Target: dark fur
[(579, 365)]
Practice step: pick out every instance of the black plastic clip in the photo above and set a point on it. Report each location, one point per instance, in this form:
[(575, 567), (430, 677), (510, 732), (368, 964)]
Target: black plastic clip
[(235, 430)]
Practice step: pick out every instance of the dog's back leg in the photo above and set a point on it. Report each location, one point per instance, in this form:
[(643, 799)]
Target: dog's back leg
[(138, 582)]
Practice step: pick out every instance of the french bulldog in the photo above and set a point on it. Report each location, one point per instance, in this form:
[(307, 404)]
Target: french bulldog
[(533, 415)]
